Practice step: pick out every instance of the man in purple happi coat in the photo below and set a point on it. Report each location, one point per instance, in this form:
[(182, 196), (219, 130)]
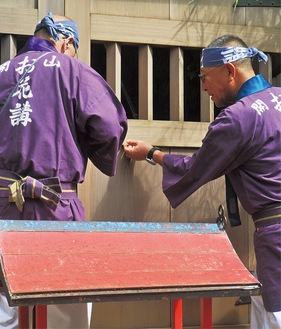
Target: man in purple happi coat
[(243, 143), (56, 112)]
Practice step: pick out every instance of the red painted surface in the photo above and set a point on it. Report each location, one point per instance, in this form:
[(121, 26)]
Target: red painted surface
[(206, 313), (40, 317), (38, 264), (72, 261), (23, 313), (177, 313)]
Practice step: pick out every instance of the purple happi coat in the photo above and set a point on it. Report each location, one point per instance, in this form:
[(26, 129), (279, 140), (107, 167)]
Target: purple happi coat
[(243, 142), (56, 112)]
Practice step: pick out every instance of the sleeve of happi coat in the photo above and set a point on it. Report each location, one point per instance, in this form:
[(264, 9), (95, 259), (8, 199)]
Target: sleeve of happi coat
[(183, 175), (104, 122)]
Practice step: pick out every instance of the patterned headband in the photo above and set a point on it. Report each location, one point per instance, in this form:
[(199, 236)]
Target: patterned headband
[(220, 55)]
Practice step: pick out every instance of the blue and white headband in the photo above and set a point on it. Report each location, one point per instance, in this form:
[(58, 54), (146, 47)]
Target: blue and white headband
[(67, 28), (220, 55)]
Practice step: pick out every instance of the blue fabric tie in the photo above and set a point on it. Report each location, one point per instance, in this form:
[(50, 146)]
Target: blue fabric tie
[(221, 55), (67, 28)]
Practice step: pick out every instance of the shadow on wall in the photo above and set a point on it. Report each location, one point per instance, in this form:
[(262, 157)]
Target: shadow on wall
[(125, 196)]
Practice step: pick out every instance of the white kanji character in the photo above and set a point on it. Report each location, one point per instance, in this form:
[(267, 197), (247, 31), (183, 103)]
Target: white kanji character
[(24, 90), (25, 66), (52, 62), (275, 99), (20, 114), (259, 106), (5, 66)]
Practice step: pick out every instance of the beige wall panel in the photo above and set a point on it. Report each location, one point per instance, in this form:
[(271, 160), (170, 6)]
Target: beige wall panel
[(168, 133), (270, 16), (127, 195), (128, 315), (136, 8), (134, 194), (178, 33), (224, 314), (26, 18), (54, 6), (191, 312), (31, 4), (208, 11), (201, 206), (222, 12), (79, 11)]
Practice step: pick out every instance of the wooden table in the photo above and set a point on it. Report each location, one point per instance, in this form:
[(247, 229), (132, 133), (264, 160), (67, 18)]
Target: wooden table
[(44, 262)]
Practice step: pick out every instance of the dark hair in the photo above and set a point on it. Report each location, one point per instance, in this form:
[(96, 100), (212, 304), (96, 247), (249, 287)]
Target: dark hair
[(227, 40)]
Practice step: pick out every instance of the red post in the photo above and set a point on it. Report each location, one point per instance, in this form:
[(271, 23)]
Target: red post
[(206, 313), (177, 313), (23, 313), (41, 316)]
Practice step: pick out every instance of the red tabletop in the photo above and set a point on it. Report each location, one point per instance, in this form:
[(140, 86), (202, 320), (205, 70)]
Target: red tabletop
[(94, 261)]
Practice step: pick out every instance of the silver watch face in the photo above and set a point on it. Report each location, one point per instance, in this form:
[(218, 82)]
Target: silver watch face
[(151, 161)]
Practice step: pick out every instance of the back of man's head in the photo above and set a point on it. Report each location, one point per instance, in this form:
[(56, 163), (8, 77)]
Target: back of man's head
[(53, 26)]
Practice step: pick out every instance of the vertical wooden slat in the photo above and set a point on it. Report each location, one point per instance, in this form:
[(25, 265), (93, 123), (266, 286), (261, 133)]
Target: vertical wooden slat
[(176, 85), (8, 47), (145, 83), (206, 108), (266, 68), (113, 67)]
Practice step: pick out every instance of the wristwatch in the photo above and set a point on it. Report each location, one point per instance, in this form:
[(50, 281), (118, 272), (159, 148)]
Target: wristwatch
[(149, 157)]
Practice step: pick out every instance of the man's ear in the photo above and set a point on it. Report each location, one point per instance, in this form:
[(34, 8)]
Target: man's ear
[(69, 41), (63, 47), (231, 69)]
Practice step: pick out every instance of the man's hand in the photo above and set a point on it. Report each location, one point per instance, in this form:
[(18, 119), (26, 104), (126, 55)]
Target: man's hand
[(138, 150)]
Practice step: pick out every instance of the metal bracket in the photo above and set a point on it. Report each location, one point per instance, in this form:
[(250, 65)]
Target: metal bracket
[(243, 300), (258, 3), (221, 220)]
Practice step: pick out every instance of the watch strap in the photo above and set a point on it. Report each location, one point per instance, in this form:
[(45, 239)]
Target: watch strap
[(149, 157)]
